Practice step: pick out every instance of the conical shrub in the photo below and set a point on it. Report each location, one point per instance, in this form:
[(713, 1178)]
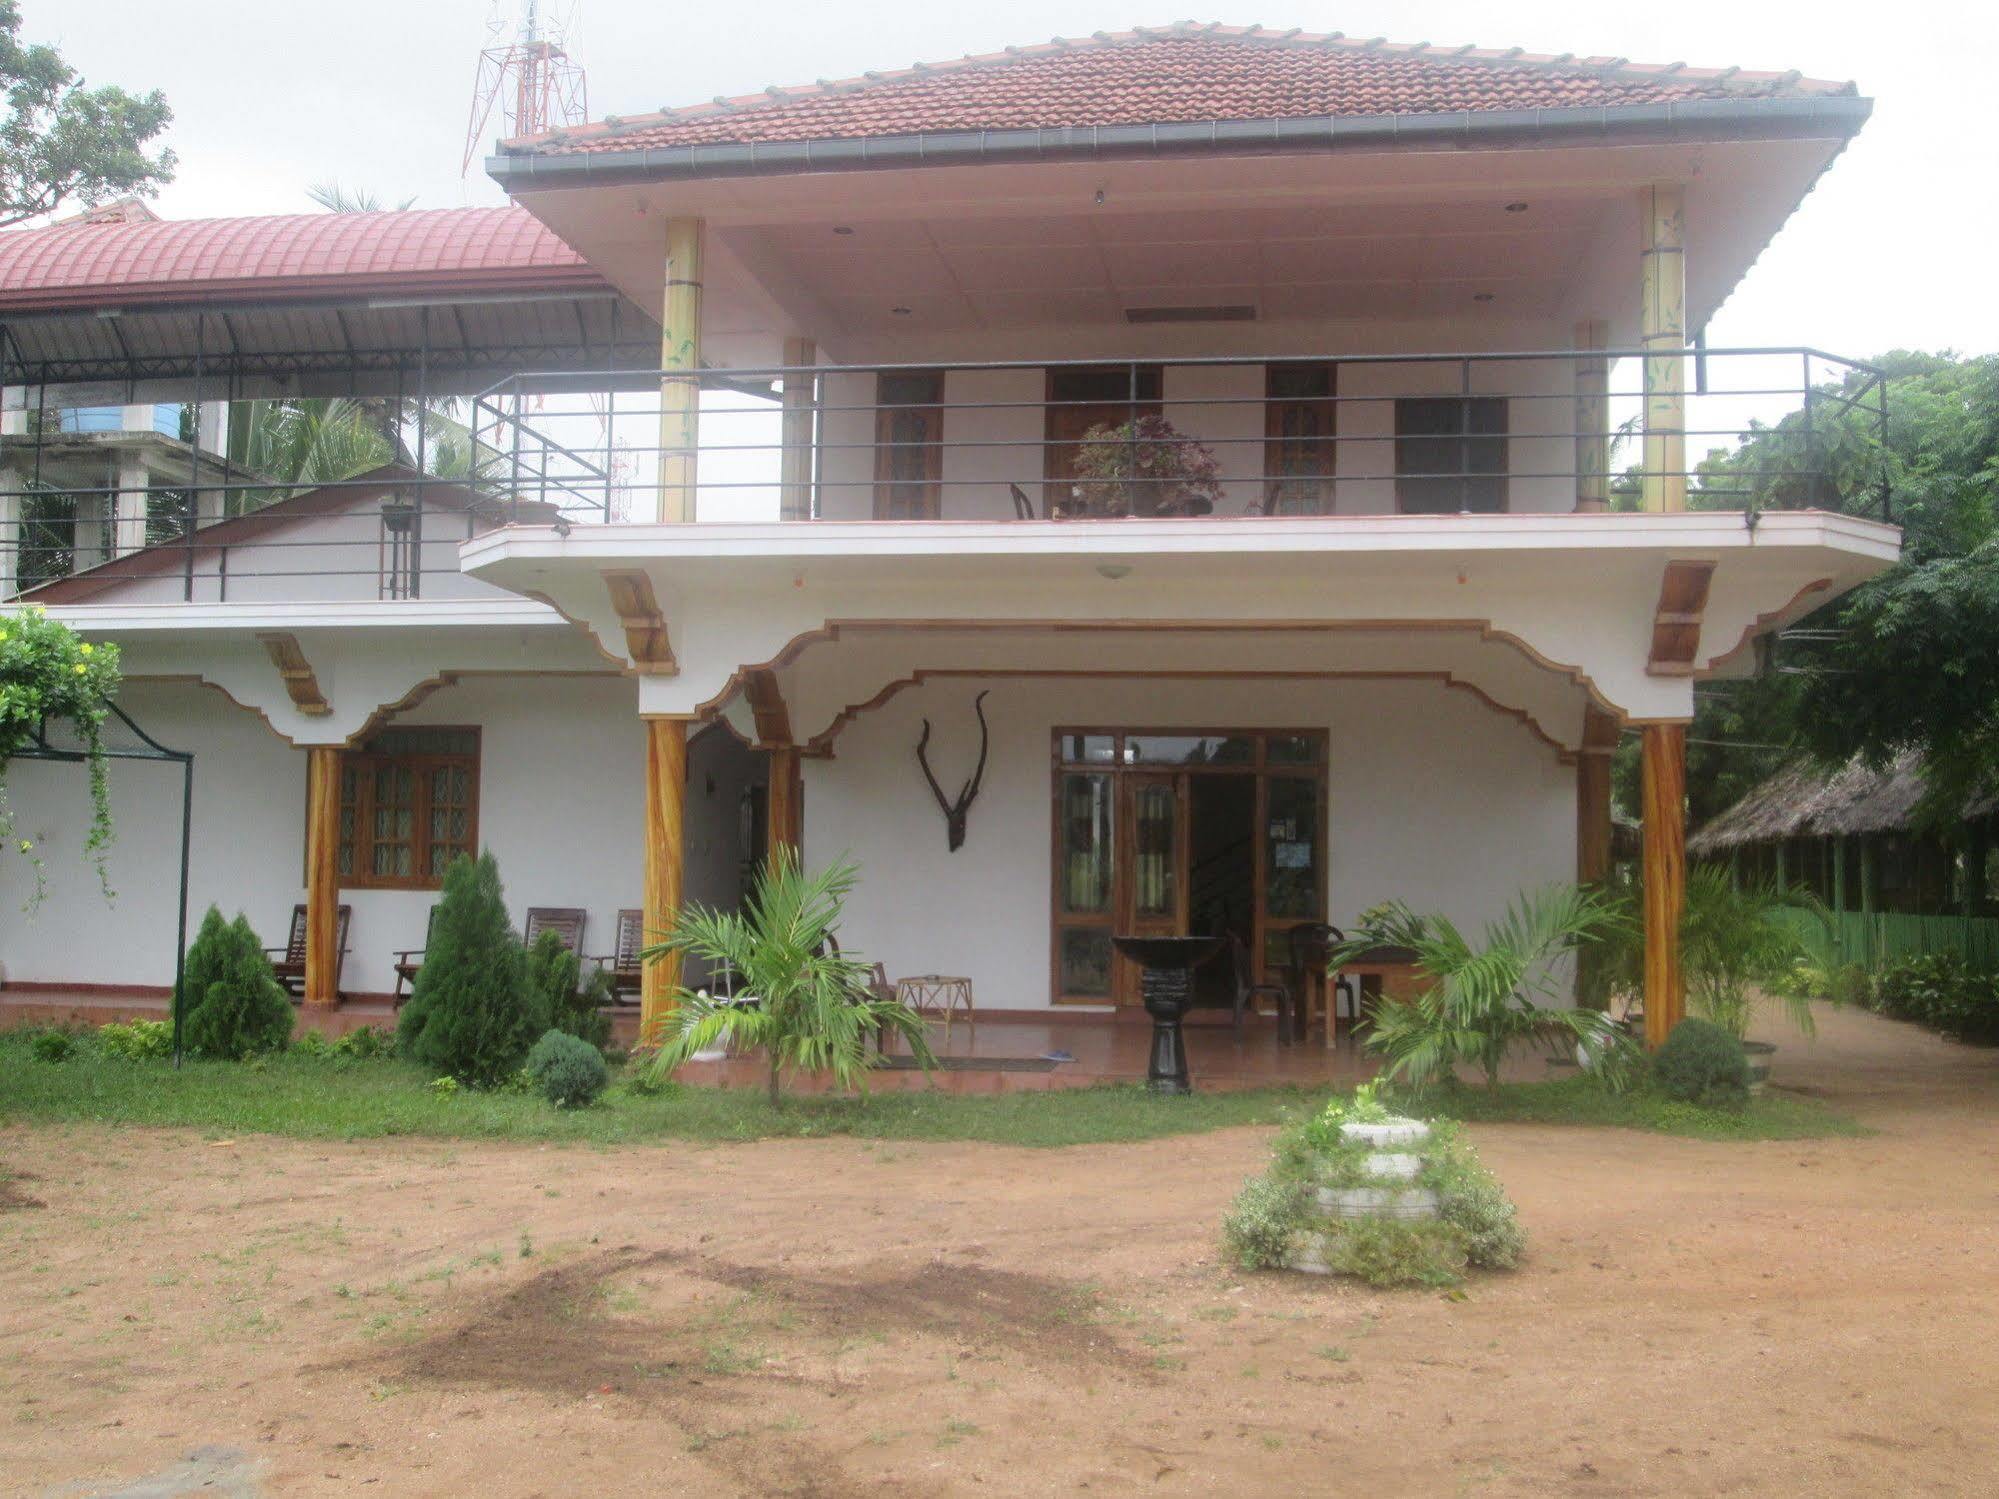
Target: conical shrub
[(235, 1005), (471, 1014)]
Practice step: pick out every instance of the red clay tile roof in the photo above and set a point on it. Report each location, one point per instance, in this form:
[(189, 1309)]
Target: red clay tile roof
[(1172, 75), (78, 265)]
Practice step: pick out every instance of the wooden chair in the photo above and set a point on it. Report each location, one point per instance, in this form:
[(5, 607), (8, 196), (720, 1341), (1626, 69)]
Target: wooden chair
[(410, 959), (288, 962), (1248, 991), (565, 921), (623, 965)]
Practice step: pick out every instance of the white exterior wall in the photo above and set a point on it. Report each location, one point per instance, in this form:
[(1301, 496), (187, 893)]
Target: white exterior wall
[(989, 445), (321, 558), (560, 805), (1433, 797)]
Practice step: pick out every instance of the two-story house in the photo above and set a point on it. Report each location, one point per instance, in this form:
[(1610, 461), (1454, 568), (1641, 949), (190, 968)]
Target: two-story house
[(1207, 443)]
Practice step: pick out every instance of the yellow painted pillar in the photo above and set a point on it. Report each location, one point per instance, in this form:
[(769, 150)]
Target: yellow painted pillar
[(783, 809), (680, 364), (1592, 418), (322, 875), (665, 863), (795, 459), (1662, 326), (1663, 794)]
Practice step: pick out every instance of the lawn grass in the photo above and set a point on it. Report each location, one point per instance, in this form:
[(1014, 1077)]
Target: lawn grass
[(315, 1098)]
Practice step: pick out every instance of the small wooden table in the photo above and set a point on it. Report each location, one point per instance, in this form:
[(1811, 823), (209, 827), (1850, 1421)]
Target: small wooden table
[(1380, 973), (938, 994)]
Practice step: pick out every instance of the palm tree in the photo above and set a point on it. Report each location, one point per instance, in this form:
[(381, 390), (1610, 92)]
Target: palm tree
[(337, 199), (1734, 938), (1482, 1000), (808, 1005)]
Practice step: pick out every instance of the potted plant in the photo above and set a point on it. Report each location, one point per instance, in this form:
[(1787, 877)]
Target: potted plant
[(1738, 944), (1142, 467)]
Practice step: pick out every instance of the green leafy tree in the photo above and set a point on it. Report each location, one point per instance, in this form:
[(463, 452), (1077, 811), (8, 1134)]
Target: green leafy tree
[(813, 1009), (62, 143), (1480, 1002), (564, 1000), (235, 1004), (471, 1015), (1909, 661)]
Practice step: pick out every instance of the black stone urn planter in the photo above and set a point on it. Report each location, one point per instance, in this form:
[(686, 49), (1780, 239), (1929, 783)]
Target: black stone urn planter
[(1167, 986)]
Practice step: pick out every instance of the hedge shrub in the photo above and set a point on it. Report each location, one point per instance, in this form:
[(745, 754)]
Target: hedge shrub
[(235, 1004), (569, 1071), (471, 1015), (1702, 1064), (1938, 990), (564, 1000)]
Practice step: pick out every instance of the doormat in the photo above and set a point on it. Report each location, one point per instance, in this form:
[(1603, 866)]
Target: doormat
[(972, 1064)]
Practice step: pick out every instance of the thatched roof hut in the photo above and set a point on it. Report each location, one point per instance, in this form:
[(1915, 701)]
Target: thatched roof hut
[(1803, 800)]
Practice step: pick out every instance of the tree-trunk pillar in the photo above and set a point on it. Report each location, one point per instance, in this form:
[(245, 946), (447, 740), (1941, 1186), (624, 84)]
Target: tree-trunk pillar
[(1663, 774), (665, 864), (1592, 418), (794, 487), (1600, 735), (680, 365), (782, 811), (1662, 325), (322, 875)]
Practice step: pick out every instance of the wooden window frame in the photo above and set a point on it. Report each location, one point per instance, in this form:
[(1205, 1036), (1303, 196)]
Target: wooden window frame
[(1275, 409), (1124, 979), (929, 448), (362, 761), (1465, 437)]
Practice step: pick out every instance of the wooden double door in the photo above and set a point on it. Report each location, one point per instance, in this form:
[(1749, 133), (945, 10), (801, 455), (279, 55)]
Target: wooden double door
[(1173, 833)]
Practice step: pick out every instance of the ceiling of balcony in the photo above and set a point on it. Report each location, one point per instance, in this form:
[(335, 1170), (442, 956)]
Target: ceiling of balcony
[(863, 261)]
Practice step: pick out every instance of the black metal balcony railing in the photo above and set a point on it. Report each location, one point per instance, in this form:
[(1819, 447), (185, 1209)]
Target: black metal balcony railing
[(1545, 431)]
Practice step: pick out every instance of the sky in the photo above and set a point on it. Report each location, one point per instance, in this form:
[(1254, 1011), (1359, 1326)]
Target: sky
[(1892, 250)]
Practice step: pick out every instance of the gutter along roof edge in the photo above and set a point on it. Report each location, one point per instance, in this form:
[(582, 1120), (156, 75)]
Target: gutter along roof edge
[(1838, 115)]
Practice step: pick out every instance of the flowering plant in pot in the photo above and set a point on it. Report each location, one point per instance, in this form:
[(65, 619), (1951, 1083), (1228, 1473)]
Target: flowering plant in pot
[(49, 675), (1142, 467)]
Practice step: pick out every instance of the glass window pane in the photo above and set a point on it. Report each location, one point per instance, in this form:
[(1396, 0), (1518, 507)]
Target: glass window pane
[(1190, 749), (1086, 962), (1291, 858), (1089, 749), (1294, 749), (1086, 843), (1155, 838)]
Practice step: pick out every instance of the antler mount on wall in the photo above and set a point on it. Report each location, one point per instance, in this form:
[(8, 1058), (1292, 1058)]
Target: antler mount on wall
[(954, 811)]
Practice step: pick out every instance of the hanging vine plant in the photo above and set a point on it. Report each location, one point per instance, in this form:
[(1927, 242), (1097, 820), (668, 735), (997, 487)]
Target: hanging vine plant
[(48, 675)]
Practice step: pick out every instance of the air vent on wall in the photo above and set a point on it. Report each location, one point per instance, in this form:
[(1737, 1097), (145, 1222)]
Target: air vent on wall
[(1240, 312)]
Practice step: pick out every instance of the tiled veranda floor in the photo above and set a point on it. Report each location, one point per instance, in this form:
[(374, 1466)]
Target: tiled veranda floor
[(1105, 1048)]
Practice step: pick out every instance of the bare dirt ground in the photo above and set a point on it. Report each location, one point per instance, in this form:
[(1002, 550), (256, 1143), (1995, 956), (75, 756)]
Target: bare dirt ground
[(263, 1316)]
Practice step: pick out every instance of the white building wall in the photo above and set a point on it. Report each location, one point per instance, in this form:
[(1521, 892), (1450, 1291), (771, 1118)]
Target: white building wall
[(1433, 797), (560, 805)]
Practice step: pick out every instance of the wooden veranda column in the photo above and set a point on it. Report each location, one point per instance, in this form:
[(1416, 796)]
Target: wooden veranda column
[(1592, 419), (1662, 325), (1663, 779), (794, 484), (1600, 735), (680, 350), (665, 856), (322, 875), (782, 806)]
